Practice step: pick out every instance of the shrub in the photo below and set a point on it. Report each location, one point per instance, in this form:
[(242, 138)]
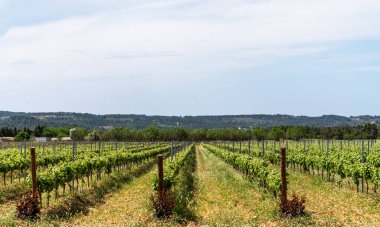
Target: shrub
[(164, 206), (28, 206), (294, 207)]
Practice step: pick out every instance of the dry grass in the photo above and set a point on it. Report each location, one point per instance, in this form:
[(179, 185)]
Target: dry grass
[(129, 206), (330, 205), (224, 197), (8, 214)]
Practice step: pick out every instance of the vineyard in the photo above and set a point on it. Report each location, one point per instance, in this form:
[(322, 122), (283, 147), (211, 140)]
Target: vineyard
[(212, 183), (344, 162)]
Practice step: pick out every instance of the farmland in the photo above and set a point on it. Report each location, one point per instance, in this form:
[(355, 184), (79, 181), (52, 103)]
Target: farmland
[(213, 183), (190, 113)]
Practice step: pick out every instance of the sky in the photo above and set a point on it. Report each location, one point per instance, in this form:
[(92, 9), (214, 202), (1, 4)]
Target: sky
[(191, 57)]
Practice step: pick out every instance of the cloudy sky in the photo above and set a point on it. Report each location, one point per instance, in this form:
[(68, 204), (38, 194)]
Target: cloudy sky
[(191, 57)]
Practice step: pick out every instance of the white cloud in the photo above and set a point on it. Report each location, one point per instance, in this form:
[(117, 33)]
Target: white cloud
[(168, 41)]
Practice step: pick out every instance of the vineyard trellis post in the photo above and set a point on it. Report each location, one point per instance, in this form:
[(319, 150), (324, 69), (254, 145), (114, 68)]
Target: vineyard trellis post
[(25, 160), (34, 171), (362, 161), (72, 136), (171, 151), (249, 147), (284, 198), (304, 147), (368, 147), (160, 163)]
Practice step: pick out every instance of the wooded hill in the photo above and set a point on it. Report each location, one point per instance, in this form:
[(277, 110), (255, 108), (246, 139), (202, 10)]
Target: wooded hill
[(63, 119)]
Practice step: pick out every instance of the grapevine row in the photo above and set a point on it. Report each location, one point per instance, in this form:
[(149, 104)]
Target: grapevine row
[(254, 168), (171, 170)]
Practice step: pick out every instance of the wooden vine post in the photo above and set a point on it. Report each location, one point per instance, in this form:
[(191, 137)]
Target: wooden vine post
[(249, 147), (304, 147), (24, 171), (171, 151), (160, 163), (34, 171), (284, 198), (73, 138), (362, 161)]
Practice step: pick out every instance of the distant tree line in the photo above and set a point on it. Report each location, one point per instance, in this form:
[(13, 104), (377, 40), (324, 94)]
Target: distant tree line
[(154, 133), (133, 121), (12, 132)]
